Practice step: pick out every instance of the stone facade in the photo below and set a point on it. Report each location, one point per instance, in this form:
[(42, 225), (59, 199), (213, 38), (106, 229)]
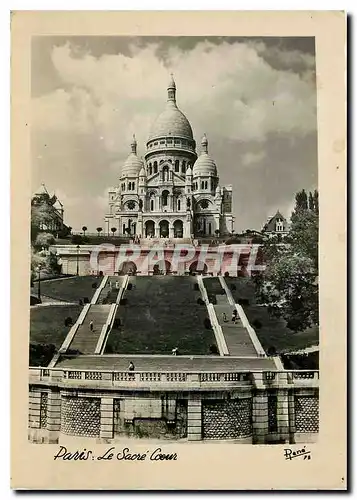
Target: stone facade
[(258, 413), (171, 193)]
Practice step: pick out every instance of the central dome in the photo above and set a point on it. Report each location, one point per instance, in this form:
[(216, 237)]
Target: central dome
[(171, 121)]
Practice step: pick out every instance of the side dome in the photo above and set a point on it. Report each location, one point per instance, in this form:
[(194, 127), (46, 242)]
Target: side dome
[(204, 164), (132, 164), (171, 121)]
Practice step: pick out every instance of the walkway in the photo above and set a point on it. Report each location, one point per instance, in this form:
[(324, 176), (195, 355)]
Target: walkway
[(85, 340)]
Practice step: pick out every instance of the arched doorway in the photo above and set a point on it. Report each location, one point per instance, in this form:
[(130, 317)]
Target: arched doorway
[(178, 229), (164, 228), (198, 267), (128, 267), (162, 267), (149, 228)]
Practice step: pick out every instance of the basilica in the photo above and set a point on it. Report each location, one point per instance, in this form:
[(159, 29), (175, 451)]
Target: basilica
[(172, 192)]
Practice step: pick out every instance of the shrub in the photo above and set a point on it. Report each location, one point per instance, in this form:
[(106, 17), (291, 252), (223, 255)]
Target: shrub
[(85, 300), (68, 321), (207, 323), (226, 274), (94, 285), (257, 324), (76, 239), (200, 301), (123, 302), (213, 349), (243, 302), (41, 354), (233, 287), (130, 286)]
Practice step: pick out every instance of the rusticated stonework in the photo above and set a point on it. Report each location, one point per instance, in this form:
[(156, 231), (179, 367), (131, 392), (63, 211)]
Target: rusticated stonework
[(307, 414), (43, 410), (227, 419), (80, 416)]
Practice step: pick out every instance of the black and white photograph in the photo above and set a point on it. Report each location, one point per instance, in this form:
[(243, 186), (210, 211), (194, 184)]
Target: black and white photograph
[(185, 230), (174, 240)]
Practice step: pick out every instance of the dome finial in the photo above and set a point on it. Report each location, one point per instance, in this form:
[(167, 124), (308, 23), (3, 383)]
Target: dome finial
[(133, 145), (171, 90), (204, 144)]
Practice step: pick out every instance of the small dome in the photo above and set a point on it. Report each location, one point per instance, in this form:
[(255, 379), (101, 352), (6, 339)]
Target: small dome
[(204, 164), (188, 171), (142, 172), (133, 164)]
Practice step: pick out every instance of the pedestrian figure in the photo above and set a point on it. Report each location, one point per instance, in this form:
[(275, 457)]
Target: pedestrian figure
[(234, 315), (174, 351), (224, 316), (91, 326), (131, 367)]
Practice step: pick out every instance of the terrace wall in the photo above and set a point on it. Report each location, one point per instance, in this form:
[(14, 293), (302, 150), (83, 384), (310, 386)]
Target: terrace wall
[(253, 407)]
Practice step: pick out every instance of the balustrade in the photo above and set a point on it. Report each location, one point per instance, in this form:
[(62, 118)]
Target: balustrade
[(299, 378)]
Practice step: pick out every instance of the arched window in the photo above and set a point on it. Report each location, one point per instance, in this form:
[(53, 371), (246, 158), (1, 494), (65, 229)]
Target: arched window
[(178, 205), (206, 185), (209, 228), (164, 198), (177, 166), (152, 205), (150, 170), (133, 186), (183, 168), (155, 167), (202, 185)]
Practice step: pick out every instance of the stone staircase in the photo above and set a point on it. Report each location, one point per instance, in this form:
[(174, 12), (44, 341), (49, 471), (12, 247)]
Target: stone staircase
[(85, 340), (110, 292)]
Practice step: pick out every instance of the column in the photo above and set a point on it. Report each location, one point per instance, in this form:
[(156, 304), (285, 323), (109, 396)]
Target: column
[(34, 409), (291, 402), (194, 418), (171, 230), (106, 418), (283, 414), (54, 416), (260, 417), (157, 230)]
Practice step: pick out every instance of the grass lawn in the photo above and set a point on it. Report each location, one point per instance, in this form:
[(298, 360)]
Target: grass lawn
[(69, 289), (241, 288), (47, 323), (161, 313), (274, 333)]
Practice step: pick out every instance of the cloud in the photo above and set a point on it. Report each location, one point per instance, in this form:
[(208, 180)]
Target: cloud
[(249, 158), (238, 93)]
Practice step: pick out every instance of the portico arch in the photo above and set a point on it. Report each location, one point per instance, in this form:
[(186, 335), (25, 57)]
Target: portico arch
[(178, 228), (128, 267), (149, 228), (198, 267), (164, 228)]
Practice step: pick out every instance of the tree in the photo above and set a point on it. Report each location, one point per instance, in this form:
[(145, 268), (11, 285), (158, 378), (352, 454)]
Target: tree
[(77, 239), (113, 230), (289, 284), (84, 229), (44, 240), (99, 230)]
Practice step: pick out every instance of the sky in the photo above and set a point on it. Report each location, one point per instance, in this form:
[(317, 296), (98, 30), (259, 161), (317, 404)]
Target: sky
[(254, 98)]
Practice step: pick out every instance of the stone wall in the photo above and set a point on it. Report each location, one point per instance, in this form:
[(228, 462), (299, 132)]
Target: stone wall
[(306, 413), (167, 425), (227, 419), (80, 416)]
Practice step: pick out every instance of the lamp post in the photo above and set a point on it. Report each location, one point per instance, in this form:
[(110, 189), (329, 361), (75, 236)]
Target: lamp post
[(78, 247), (39, 281)]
